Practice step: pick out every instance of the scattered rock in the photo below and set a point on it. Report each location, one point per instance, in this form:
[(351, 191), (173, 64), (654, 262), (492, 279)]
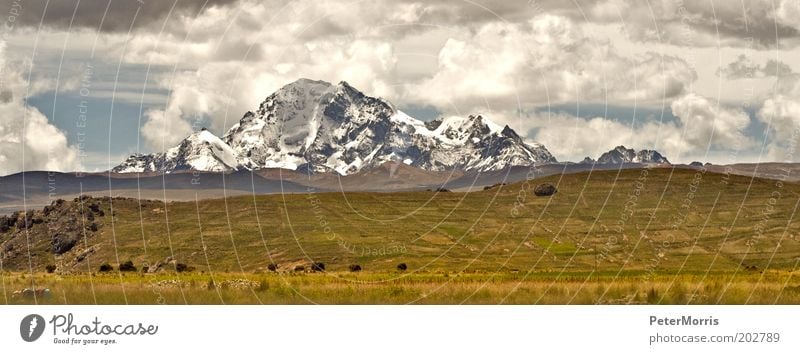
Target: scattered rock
[(318, 267), (32, 293), (545, 189), (182, 267), (62, 242), (239, 284), (127, 267), (167, 283)]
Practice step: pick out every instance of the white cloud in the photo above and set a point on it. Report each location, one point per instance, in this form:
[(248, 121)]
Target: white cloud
[(546, 61), (787, 13), (162, 131), (28, 141), (782, 113), (572, 138), (506, 56), (708, 123)]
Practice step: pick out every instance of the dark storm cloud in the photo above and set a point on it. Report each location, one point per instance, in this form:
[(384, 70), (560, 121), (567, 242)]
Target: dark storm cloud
[(115, 15)]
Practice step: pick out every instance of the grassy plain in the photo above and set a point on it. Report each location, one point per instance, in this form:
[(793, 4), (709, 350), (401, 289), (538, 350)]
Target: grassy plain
[(631, 236), (420, 288)]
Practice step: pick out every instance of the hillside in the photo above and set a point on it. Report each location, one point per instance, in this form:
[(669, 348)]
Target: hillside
[(642, 220)]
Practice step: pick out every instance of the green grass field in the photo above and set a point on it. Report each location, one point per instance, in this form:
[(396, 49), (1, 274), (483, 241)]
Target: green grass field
[(633, 236), (418, 288)]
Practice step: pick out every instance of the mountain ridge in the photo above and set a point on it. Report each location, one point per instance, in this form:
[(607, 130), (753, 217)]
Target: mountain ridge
[(621, 154), (314, 126)]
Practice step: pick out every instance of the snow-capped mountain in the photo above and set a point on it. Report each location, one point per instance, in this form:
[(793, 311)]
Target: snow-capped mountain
[(201, 151), (316, 126), (620, 154)]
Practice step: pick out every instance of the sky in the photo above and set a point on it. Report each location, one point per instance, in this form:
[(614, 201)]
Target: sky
[(85, 83)]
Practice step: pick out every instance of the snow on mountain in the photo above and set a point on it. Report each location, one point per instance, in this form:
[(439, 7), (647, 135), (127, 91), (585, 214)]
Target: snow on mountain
[(201, 151), (621, 154), (316, 126)]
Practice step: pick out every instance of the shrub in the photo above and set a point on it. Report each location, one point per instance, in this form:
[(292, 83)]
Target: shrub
[(355, 268), (652, 296), (145, 269), (318, 267), (105, 267), (262, 286), (272, 267), (182, 267), (127, 267), (299, 269), (50, 268), (402, 267), (5, 223)]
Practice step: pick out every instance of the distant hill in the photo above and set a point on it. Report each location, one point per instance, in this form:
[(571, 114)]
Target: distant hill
[(41, 188)]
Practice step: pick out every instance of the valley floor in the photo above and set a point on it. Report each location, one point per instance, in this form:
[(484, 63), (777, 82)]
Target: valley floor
[(771, 287)]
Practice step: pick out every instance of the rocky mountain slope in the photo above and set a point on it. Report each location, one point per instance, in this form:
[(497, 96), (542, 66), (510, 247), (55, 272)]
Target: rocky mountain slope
[(58, 233), (201, 151), (315, 126), (621, 154)]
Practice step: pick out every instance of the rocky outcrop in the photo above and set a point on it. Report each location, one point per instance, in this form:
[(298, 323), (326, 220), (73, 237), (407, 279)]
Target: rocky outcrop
[(545, 189), (58, 229)]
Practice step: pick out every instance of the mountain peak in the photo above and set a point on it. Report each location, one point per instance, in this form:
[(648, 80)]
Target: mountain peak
[(318, 127), (621, 154), (507, 131)]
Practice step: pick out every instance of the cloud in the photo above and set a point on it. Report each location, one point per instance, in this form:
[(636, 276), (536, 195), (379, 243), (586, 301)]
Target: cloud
[(761, 23), (547, 60), (756, 23), (28, 141), (115, 16), (211, 64), (744, 68), (224, 91), (572, 138), (708, 123), (162, 131), (701, 125), (781, 113)]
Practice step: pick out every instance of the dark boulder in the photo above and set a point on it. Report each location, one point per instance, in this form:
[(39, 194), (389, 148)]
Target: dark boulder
[(545, 189), (127, 267), (5, 224), (318, 267), (62, 242)]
